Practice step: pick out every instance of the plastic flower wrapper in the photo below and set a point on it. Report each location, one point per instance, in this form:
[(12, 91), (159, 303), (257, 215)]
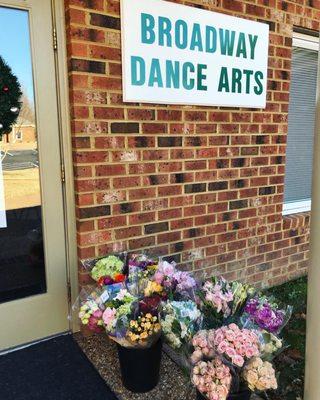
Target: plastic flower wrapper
[(216, 298), (234, 344), (144, 263), (132, 322), (141, 268), (241, 294), (222, 302), (270, 345), (107, 270), (259, 375), (90, 308), (179, 285), (117, 313), (212, 378), (262, 312), (180, 320)]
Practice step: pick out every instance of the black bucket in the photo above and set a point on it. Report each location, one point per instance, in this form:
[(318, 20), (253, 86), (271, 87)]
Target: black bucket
[(140, 368), (244, 395)]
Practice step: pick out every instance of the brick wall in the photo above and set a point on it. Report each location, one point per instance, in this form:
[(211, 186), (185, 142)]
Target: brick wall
[(201, 184)]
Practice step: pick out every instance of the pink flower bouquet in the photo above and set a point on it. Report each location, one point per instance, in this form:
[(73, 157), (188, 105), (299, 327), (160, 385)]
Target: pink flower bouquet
[(212, 379), (179, 285), (238, 351), (222, 302)]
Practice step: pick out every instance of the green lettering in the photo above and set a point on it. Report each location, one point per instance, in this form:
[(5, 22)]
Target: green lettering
[(173, 74), (253, 41), (241, 48), (248, 73), (258, 89), (201, 77), (188, 68), (155, 74), (181, 34), (236, 80), (227, 41), (211, 39), (224, 81), (196, 39), (165, 27), (138, 71), (147, 29)]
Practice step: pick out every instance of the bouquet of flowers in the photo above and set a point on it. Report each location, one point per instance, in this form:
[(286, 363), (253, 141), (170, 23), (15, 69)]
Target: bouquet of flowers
[(141, 269), (130, 322), (264, 314), (270, 345), (228, 360), (222, 302), (236, 345), (178, 285), (212, 379), (89, 307), (180, 321), (108, 270), (259, 375), (143, 264), (91, 315)]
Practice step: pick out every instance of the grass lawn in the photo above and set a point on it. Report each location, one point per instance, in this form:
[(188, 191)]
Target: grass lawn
[(290, 363)]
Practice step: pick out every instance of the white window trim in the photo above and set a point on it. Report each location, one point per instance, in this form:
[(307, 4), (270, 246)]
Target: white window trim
[(296, 207), (305, 41), (311, 43)]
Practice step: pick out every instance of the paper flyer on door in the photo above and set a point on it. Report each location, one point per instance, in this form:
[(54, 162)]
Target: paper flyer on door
[(3, 217)]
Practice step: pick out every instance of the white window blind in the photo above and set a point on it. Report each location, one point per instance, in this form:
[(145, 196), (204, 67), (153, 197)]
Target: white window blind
[(299, 156)]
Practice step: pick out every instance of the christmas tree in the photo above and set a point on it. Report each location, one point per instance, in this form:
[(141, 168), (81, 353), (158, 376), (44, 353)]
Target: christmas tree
[(10, 94)]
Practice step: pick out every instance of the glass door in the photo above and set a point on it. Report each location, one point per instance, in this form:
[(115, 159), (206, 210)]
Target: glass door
[(33, 287)]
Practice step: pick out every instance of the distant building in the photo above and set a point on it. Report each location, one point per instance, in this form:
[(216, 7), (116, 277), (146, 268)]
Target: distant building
[(22, 132)]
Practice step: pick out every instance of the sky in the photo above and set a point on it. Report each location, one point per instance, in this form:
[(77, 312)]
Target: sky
[(15, 45)]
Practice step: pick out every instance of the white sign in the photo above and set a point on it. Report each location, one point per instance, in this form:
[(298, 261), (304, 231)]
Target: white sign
[(3, 217), (174, 54)]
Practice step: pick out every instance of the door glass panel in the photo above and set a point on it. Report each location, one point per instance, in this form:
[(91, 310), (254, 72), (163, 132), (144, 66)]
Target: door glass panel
[(22, 266)]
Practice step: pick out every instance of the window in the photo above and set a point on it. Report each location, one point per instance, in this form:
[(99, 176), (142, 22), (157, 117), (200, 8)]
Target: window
[(19, 135), (302, 106)]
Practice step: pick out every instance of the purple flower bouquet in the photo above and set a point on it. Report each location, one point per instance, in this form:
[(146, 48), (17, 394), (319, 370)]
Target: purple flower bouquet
[(260, 311)]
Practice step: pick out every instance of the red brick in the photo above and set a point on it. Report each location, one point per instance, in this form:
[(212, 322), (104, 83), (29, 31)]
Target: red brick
[(145, 170)]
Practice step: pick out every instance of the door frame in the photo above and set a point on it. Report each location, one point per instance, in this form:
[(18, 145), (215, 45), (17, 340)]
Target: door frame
[(64, 141), (61, 60)]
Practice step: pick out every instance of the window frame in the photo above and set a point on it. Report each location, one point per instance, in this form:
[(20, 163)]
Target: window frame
[(310, 43), (19, 135)]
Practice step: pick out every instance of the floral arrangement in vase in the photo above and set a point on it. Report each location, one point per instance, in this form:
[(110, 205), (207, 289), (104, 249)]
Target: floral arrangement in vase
[(129, 321)]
